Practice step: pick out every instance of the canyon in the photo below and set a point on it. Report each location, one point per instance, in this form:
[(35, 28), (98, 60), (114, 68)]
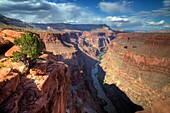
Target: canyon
[(132, 70), (139, 65)]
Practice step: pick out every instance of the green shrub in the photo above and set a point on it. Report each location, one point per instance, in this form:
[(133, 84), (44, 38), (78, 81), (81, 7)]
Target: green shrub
[(1, 64), (30, 47)]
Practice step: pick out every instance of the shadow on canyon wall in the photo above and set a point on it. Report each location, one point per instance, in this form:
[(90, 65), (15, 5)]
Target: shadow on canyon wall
[(119, 99)]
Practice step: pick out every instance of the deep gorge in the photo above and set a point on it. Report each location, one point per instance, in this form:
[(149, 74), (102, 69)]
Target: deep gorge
[(123, 73)]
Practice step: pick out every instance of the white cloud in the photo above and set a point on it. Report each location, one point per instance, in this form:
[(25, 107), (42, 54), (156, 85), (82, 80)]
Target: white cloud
[(167, 26), (166, 3), (125, 22), (156, 23), (116, 19), (115, 7)]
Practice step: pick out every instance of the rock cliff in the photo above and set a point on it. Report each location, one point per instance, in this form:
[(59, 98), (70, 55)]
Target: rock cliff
[(136, 66), (139, 65), (68, 47), (43, 88)]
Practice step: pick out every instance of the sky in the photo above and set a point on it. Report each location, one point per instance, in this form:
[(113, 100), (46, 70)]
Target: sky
[(118, 14)]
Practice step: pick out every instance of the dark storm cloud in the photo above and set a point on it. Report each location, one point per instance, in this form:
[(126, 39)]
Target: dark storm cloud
[(24, 6), (43, 11)]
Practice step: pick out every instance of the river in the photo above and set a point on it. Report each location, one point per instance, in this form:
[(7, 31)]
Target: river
[(100, 93)]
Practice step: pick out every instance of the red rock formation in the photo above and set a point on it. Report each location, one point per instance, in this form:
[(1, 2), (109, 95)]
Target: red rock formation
[(43, 89), (139, 64), (10, 34), (6, 41), (9, 53)]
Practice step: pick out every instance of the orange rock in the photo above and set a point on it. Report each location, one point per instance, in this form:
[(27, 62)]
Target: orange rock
[(8, 82), (158, 107), (11, 34), (35, 93), (9, 53)]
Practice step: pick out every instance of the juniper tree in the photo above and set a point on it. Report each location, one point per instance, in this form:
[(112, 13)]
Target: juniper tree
[(30, 48)]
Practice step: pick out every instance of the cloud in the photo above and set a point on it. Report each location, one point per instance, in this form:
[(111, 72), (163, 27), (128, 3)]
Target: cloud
[(25, 5), (124, 23), (42, 11), (166, 3), (167, 26), (116, 19), (157, 23), (115, 7), (163, 12)]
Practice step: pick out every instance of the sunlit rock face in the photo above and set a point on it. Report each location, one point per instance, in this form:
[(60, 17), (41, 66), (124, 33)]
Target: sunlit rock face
[(139, 64), (6, 41), (43, 88), (10, 34), (92, 43), (158, 107)]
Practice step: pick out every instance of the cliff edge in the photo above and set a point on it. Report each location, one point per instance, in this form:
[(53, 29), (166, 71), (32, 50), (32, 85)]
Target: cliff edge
[(43, 88)]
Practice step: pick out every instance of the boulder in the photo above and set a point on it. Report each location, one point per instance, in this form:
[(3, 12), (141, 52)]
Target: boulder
[(9, 53)]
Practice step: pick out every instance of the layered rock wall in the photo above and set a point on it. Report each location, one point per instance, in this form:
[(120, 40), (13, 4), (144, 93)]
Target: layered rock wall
[(90, 42), (139, 64)]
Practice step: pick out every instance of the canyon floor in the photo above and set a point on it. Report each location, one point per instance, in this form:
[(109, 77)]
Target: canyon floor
[(99, 71)]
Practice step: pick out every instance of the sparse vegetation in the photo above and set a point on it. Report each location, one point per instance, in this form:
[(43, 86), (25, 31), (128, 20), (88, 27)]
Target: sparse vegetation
[(30, 48), (1, 64)]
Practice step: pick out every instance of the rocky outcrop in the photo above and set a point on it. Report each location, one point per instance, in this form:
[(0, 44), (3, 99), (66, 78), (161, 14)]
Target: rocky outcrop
[(9, 53), (10, 35), (43, 88), (139, 65), (6, 41)]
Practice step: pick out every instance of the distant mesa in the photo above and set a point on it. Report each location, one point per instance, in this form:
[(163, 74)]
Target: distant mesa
[(52, 26), (63, 26)]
